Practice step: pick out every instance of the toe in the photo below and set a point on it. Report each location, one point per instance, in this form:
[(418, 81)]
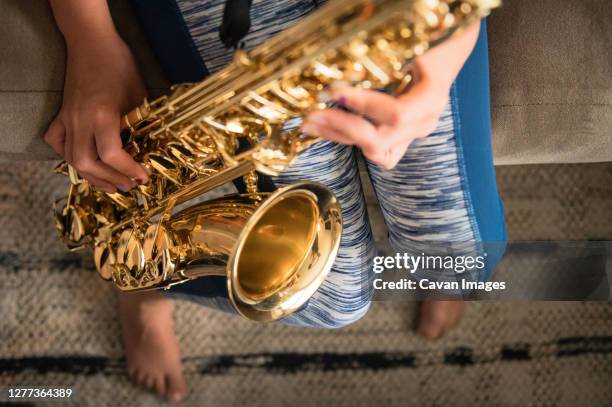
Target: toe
[(131, 371), (457, 309), (430, 331), (141, 376), (433, 320), (176, 388), (150, 381), (160, 385)]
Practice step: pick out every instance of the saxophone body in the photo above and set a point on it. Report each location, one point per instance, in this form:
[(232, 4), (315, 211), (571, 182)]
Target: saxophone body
[(275, 249)]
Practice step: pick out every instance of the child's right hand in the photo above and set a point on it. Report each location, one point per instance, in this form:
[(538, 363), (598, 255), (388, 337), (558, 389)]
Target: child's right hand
[(102, 82)]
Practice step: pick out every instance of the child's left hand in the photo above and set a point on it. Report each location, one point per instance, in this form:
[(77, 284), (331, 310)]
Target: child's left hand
[(394, 122)]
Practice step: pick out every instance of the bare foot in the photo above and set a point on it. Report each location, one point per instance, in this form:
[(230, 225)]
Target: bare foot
[(151, 348), (438, 317)]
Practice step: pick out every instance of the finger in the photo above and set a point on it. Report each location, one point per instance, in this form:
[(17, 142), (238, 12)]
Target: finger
[(100, 184), (327, 133), (56, 136), (102, 176), (111, 152), (85, 161), (386, 159), (377, 106), (389, 157), (354, 129)]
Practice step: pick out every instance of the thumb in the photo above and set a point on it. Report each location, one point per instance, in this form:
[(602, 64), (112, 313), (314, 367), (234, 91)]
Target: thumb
[(56, 136)]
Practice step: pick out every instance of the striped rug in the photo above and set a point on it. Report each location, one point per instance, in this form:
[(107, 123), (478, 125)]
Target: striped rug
[(58, 326)]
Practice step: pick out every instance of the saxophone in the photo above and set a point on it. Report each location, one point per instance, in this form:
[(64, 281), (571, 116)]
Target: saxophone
[(274, 249)]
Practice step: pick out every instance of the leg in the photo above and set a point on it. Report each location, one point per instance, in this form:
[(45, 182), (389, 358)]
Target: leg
[(344, 296), (424, 206), (185, 40), (443, 190), (147, 328)]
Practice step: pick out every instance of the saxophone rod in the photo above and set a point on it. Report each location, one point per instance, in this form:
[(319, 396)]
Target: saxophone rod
[(255, 78), (296, 33), (192, 190)]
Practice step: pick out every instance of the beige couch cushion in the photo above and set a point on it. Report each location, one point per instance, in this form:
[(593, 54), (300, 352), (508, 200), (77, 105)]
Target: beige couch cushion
[(551, 81), (32, 59), (550, 67)]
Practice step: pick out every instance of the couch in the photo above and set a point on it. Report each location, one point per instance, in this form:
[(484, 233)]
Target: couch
[(550, 76)]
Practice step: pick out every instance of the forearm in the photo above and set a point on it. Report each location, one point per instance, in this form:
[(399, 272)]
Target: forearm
[(84, 21), (441, 65)]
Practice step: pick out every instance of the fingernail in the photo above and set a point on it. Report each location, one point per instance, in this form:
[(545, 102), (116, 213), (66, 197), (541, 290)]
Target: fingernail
[(341, 101), (139, 181), (177, 397), (124, 188)]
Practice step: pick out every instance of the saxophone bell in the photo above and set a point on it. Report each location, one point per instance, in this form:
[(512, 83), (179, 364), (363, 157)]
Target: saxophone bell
[(275, 249)]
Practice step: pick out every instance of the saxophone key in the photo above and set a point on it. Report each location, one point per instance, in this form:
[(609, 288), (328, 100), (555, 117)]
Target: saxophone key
[(104, 259)]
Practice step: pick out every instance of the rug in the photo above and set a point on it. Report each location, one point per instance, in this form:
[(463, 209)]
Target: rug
[(58, 325)]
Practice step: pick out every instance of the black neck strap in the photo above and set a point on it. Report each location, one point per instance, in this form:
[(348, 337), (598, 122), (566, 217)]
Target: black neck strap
[(236, 22)]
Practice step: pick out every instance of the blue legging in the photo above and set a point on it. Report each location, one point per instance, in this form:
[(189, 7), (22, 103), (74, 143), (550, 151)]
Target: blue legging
[(442, 191)]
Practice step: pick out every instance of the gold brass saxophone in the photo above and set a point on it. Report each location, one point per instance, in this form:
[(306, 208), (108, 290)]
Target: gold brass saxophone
[(274, 248)]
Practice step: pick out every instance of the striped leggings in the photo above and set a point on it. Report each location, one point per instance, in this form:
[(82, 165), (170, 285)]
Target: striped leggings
[(442, 191)]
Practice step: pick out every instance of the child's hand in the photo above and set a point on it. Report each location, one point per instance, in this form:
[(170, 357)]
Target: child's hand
[(395, 121), (102, 82)]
